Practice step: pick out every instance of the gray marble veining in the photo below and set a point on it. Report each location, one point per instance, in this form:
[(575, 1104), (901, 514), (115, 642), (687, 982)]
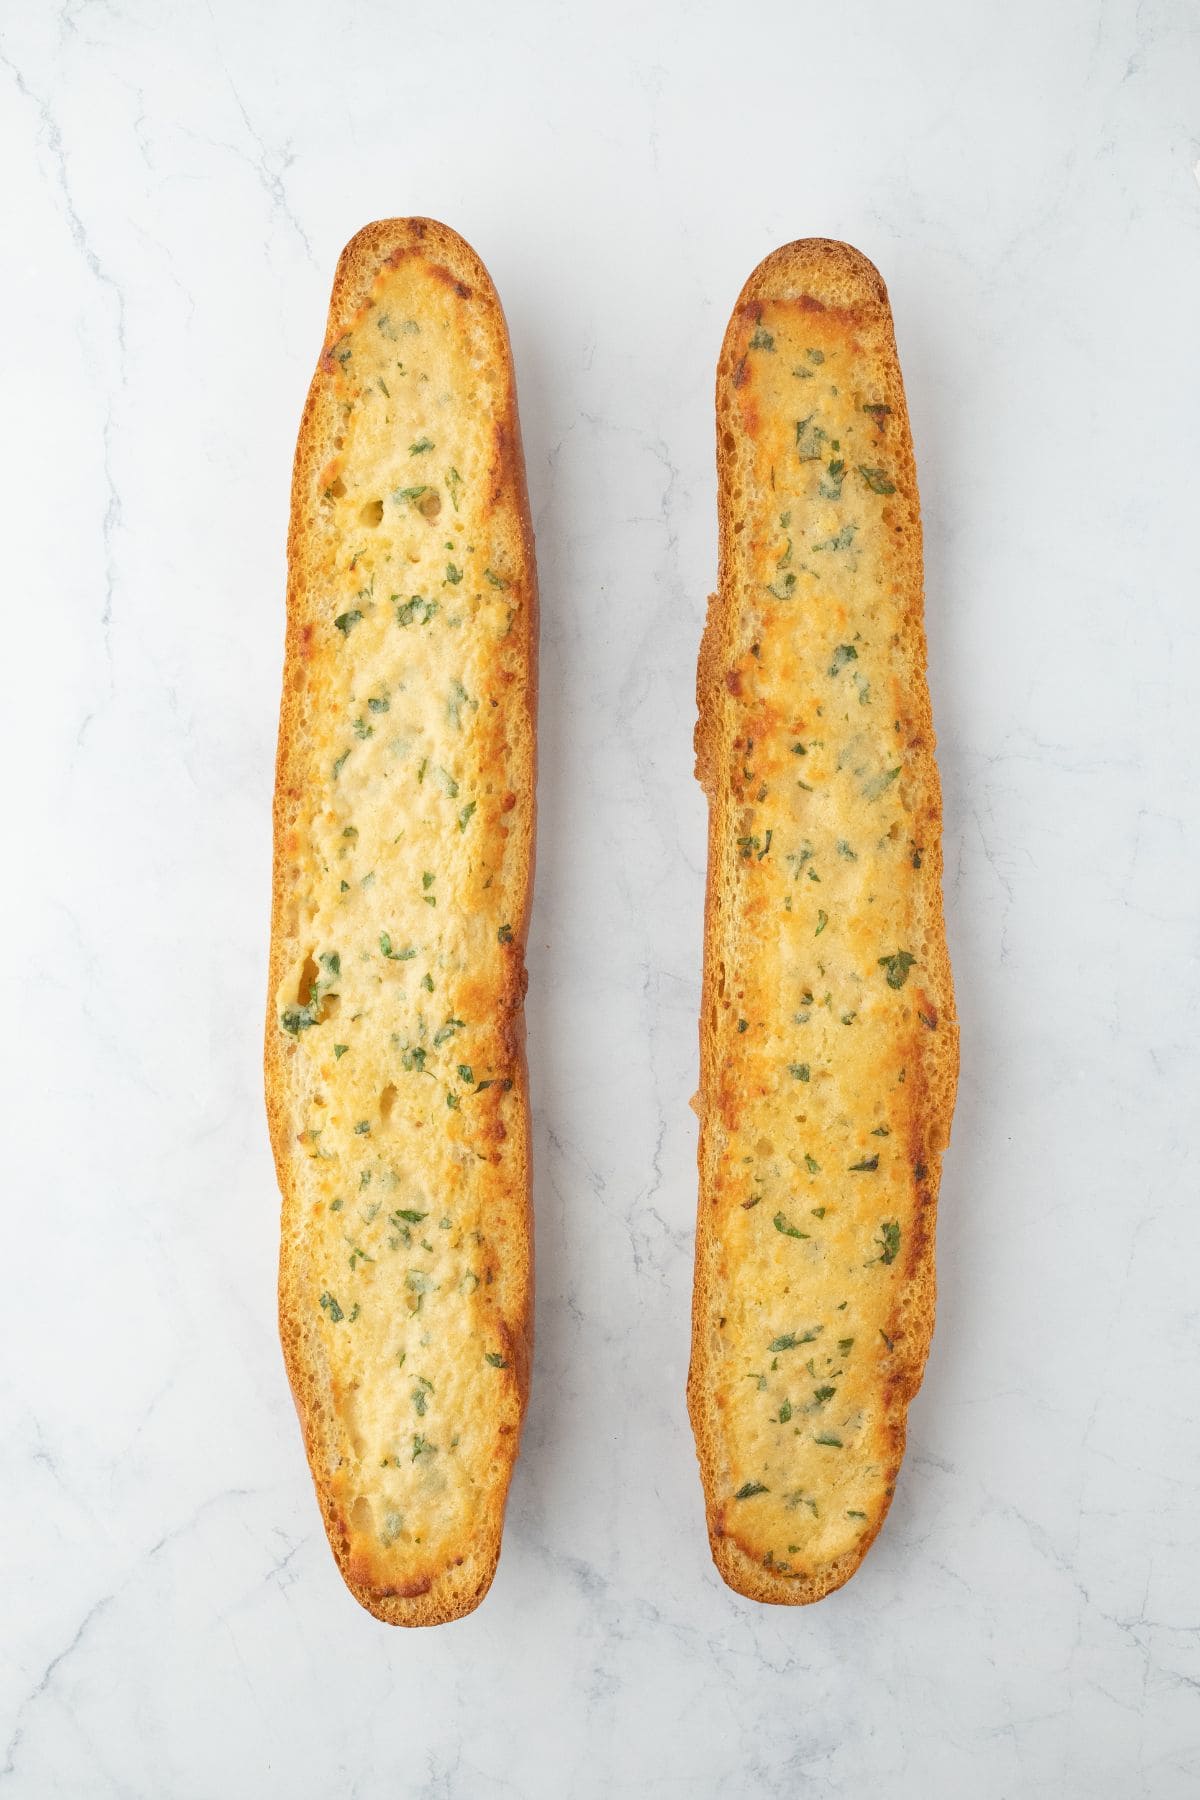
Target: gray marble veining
[(179, 181)]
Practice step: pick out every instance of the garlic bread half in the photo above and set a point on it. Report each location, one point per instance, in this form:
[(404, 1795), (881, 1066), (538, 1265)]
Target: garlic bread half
[(829, 1046), (404, 817)]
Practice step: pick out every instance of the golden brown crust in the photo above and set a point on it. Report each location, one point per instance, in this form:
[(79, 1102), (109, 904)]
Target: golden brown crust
[(841, 289), (439, 1592)]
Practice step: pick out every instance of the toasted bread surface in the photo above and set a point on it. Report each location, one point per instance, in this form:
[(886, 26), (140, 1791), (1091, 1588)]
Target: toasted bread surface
[(404, 812), (829, 1044)]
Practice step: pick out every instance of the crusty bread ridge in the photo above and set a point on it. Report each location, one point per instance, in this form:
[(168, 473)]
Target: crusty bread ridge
[(828, 1036), (396, 1083)]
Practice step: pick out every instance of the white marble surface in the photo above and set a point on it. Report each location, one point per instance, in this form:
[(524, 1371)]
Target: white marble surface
[(178, 182)]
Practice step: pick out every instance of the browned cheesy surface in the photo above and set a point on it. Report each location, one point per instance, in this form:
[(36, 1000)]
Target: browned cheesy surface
[(828, 1032), (404, 824)]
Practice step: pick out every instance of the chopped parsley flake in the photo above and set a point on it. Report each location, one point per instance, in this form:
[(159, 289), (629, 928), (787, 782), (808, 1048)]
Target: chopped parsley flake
[(416, 611), (889, 1240), (897, 967), (791, 1340), (385, 944), (781, 1225)]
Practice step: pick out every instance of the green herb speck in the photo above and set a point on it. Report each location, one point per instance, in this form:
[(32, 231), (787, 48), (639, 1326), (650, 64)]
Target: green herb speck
[(781, 1225), (889, 1240), (897, 967), (792, 1339), (385, 944)]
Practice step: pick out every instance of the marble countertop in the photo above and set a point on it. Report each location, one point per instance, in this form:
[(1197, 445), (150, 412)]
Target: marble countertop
[(179, 181)]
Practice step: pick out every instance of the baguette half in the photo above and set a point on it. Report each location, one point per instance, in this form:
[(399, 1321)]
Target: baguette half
[(828, 1040), (404, 813)]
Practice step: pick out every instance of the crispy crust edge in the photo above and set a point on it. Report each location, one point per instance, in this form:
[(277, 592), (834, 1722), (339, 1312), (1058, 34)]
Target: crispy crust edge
[(458, 1589), (839, 275)]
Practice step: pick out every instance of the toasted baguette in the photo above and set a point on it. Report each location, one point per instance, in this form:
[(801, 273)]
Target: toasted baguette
[(828, 1041), (404, 810)]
